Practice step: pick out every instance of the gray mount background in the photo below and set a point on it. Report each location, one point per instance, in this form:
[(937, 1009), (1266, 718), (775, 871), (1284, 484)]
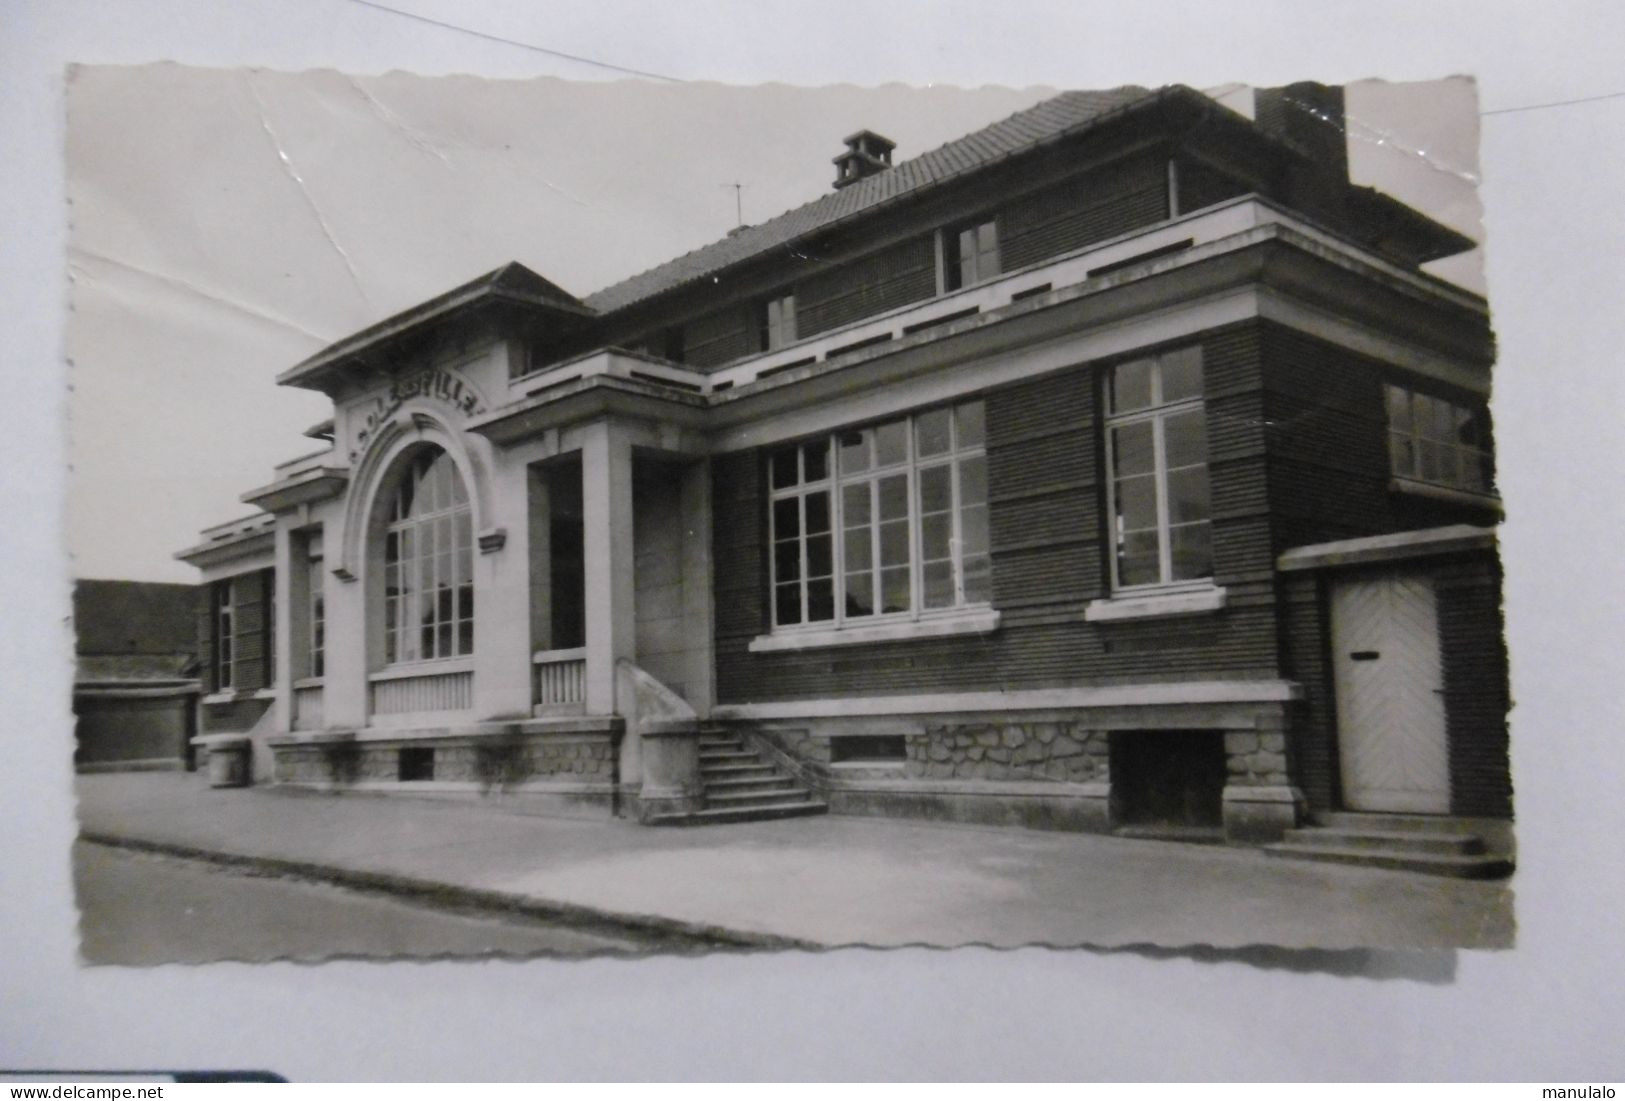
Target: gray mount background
[(1549, 1010)]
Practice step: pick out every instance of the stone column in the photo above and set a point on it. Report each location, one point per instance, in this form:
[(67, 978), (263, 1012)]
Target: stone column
[(502, 642), (606, 509), (344, 683), (287, 559)]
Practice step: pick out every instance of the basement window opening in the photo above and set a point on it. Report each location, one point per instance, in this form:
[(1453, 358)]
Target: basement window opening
[(1168, 778), (867, 748), (416, 763)]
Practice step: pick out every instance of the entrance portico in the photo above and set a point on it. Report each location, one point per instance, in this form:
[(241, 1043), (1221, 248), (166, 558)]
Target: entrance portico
[(436, 565)]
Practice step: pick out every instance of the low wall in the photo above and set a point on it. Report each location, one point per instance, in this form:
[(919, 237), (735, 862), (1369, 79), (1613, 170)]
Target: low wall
[(560, 766)]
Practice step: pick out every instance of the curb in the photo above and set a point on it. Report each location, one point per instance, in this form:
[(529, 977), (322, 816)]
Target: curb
[(666, 934)]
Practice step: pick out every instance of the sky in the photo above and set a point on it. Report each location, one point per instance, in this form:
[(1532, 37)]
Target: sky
[(227, 223)]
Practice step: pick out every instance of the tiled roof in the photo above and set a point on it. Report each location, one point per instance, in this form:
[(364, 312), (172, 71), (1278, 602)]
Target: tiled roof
[(134, 617), (134, 668), (1046, 121)]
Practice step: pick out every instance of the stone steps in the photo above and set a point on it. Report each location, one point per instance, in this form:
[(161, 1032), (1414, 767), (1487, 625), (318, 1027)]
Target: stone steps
[(1439, 844), (1435, 824), (1432, 845), (717, 816), (720, 771), (748, 783), (773, 798), (740, 786), (1481, 866)]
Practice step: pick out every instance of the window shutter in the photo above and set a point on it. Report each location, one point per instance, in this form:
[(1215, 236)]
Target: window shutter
[(248, 627), (204, 607)]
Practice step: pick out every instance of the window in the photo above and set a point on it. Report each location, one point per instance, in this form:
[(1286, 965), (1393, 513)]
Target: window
[(970, 255), (908, 500), (429, 564), (666, 343), (224, 650), (1156, 450), (268, 625), (776, 322), (317, 641), (1436, 441)]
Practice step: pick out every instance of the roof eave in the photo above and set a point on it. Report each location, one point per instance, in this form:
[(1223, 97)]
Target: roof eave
[(420, 318)]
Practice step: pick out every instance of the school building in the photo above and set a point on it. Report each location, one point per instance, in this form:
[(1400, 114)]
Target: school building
[(1114, 467)]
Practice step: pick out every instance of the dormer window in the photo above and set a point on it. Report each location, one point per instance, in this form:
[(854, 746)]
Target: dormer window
[(776, 322), (970, 254)]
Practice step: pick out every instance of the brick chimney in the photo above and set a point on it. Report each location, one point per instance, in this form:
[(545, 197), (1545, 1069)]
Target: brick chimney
[(1309, 116), (866, 153)]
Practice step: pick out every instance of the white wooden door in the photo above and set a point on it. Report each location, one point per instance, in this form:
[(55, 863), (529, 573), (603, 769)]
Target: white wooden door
[(1390, 700)]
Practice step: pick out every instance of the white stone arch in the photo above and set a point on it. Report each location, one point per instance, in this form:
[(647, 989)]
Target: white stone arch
[(413, 427)]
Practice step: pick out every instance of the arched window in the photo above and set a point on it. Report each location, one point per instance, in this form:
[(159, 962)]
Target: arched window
[(429, 564)]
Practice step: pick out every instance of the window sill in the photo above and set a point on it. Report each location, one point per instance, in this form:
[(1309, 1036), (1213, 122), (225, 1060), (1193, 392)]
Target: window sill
[(309, 682), (975, 623), (1470, 497), (1182, 602), (237, 695), (423, 669)]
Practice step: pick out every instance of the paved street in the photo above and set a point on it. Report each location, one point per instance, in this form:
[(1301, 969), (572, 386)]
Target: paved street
[(139, 908), (827, 880)]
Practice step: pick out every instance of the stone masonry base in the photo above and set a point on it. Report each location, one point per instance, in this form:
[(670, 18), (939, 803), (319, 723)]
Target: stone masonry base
[(1052, 774)]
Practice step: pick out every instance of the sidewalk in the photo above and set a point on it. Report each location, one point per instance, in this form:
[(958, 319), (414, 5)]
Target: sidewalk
[(825, 881)]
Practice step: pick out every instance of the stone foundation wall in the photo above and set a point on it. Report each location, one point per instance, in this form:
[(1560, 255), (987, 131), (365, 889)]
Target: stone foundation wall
[(1067, 752), (964, 771), (493, 763), (1257, 758)]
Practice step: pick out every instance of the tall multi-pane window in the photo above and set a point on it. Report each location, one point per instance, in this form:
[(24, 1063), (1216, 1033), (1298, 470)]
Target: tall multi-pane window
[(803, 548), (268, 624), (908, 499), (317, 642), (970, 254), (224, 643), (429, 564), (1437, 441), (776, 322), (1156, 446)]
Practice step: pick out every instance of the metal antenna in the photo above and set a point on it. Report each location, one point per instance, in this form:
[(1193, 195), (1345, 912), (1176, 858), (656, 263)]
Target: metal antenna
[(739, 207)]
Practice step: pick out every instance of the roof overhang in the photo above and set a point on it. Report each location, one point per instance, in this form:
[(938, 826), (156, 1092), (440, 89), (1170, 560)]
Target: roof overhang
[(226, 542), (1397, 547), (588, 399), (316, 484), (1393, 224), (516, 290), (135, 689), (1312, 268)]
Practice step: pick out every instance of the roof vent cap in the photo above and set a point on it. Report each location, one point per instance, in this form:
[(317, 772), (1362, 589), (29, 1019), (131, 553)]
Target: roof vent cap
[(866, 154)]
